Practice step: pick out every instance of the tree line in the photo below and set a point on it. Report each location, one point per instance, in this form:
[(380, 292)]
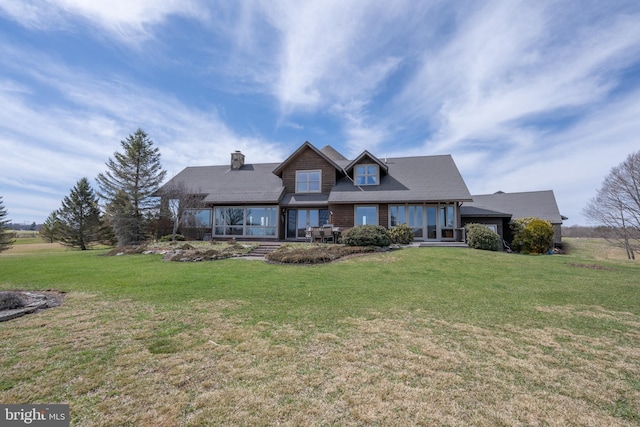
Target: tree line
[(126, 190), (129, 206), (125, 209)]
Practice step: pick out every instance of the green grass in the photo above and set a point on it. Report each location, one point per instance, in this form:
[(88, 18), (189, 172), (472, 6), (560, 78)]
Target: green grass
[(457, 285), (239, 341)]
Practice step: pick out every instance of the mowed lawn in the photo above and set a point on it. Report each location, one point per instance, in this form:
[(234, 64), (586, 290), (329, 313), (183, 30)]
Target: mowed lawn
[(418, 336)]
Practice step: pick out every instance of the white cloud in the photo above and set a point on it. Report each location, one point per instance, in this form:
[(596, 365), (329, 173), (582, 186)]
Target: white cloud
[(127, 20), (329, 52), (51, 147), (572, 162), (503, 66), (33, 14), (479, 80)]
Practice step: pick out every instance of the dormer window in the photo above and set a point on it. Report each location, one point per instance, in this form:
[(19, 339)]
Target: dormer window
[(308, 181), (366, 175)]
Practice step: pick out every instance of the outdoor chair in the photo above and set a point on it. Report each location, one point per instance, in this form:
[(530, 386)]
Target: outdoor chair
[(327, 233), (316, 234)]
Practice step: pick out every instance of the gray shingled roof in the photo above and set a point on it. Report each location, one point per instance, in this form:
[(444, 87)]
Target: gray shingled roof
[(410, 179), (252, 183), (332, 153), (361, 157), (540, 204), (475, 211)]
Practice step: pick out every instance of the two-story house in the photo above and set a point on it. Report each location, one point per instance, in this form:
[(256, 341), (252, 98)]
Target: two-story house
[(314, 187)]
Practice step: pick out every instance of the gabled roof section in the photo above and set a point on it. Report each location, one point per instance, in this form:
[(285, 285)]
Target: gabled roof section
[(540, 204), (364, 155), (306, 145), (409, 180)]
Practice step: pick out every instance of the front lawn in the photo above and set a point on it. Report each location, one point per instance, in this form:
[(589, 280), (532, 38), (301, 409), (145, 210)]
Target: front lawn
[(419, 336)]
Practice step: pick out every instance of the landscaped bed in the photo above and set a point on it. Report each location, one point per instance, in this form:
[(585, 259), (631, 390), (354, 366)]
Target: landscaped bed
[(317, 253), (192, 251), (292, 253)]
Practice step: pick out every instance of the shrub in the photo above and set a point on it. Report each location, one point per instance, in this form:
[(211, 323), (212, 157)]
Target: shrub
[(366, 235), (479, 236), (532, 235), (314, 254), (517, 226), (169, 238), (10, 300), (401, 234)]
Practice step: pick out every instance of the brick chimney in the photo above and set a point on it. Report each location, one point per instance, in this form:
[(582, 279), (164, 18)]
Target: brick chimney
[(237, 160)]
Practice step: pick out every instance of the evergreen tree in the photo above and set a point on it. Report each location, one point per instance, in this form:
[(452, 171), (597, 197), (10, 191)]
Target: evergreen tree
[(134, 174), (121, 215), (50, 228), (79, 217), (6, 236)]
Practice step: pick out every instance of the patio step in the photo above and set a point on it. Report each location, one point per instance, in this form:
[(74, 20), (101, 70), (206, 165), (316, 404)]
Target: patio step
[(263, 249)]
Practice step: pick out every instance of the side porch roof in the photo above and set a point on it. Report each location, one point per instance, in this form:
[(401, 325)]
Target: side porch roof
[(540, 204)]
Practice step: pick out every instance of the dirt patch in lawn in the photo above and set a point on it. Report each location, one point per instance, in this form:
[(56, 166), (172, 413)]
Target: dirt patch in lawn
[(14, 304)]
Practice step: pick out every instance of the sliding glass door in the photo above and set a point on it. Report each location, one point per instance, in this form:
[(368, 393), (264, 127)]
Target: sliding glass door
[(298, 220)]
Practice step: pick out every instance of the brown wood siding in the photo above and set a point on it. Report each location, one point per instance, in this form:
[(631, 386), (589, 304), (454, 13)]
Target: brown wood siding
[(308, 160), (383, 215), (343, 215)]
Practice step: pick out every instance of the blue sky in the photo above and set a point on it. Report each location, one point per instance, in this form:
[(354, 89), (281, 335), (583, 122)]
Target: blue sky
[(526, 95)]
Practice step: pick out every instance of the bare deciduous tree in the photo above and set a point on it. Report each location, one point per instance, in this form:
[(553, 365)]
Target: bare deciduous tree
[(616, 205), (177, 202)]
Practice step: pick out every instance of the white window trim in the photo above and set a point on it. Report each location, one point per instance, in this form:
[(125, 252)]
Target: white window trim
[(309, 171), (356, 174)]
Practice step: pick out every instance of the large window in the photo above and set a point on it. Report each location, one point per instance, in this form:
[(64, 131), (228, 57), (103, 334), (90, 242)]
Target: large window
[(308, 181), (260, 221), (255, 221), (366, 215), (407, 214), (366, 175), (428, 221)]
